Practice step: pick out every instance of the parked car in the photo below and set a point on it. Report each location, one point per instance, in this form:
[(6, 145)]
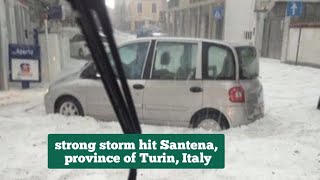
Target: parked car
[(150, 32), (79, 47), (175, 82)]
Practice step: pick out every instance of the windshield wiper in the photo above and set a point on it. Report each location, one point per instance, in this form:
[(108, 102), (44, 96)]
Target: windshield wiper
[(91, 14)]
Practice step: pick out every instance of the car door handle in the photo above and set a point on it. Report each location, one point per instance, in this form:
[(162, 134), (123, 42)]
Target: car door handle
[(138, 86), (196, 89)]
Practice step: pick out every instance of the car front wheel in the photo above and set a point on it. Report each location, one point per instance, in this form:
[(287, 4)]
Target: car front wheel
[(69, 106)]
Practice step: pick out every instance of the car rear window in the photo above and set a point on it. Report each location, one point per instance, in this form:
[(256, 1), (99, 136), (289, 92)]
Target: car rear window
[(218, 62), (249, 63)]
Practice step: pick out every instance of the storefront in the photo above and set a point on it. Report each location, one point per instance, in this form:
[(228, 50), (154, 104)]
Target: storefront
[(15, 28)]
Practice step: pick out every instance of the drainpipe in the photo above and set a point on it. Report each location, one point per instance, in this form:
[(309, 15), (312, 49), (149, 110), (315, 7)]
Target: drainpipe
[(3, 48), (285, 41)]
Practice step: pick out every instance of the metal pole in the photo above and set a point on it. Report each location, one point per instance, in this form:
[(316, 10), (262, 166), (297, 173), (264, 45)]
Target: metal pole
[(298, 48), (3, 48), (47, 48)]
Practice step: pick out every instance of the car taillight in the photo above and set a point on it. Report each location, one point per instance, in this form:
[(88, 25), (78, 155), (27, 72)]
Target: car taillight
[(236, 95)]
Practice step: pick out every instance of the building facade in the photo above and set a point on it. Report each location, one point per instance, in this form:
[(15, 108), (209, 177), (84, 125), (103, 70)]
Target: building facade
[(144, 12), (194, 18), (15, 27), (294, 40), (18, 20), (230, 20)]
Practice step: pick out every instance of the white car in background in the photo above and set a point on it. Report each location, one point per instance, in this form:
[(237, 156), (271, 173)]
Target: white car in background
[(79, 47)]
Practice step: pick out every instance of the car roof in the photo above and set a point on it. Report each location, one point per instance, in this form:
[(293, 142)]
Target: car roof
[(237, 45), (143, 39)]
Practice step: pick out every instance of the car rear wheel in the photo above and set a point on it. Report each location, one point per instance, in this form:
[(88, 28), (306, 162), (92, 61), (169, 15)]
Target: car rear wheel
[(209, 119), (210, 124), (69, 106)]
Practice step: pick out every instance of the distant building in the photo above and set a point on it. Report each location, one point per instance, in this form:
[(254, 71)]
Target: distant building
[(120, 15), (195, 18), (16, 26), (230, 20), (294, 40), (19, 22), (69, 16), (130, 15)]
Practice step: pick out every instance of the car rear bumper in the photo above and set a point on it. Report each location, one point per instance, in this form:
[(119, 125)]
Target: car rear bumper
[(237, 115)]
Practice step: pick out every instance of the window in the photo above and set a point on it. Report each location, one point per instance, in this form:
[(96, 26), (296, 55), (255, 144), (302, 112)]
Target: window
[(173, 3), (175, 61), (73, 39), (139, 7), (133, 58), (249, 64), (78, 38), (154, 8), (197, 1), (218, 63), (248, 35), (89, 71), (310, 14)]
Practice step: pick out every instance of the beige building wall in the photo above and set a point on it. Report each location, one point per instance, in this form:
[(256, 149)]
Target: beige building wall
[(146, 15), (194, 18)]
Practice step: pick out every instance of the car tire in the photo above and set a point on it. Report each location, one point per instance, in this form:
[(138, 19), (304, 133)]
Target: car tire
[(69, 106), (81, 53), (210, 120), (319, 104)]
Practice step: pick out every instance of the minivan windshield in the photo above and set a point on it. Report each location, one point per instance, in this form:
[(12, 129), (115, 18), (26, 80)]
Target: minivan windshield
[(249, 63)]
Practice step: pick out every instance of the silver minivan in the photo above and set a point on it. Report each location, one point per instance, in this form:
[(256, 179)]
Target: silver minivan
[(174, 82)]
